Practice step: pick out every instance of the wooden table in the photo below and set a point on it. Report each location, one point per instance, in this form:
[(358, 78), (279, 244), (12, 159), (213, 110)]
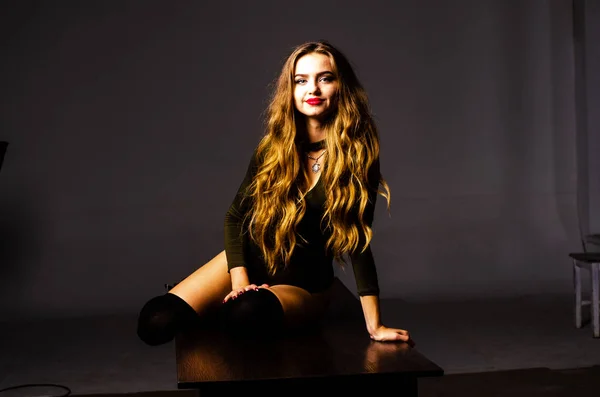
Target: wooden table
[(339, 356)]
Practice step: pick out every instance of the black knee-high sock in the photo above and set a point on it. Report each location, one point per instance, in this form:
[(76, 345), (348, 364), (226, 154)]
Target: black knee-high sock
[(254, 313), (162, 317)]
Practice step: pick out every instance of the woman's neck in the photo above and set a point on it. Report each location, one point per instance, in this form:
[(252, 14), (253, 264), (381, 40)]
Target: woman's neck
[(314, 130)]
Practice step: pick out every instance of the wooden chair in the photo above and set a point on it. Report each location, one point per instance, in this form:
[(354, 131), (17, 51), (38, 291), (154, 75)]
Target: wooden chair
[(589, 261), (593, 239)]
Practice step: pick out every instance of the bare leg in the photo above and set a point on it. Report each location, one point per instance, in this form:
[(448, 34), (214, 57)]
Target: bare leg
[(205, 289), (300, 307), (267, 311), (203, 292)]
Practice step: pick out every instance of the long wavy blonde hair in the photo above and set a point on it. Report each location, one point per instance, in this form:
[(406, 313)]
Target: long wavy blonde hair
[(278, 189)]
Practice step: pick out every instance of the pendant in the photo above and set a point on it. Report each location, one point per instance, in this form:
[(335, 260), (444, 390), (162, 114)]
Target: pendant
[(316, 167)]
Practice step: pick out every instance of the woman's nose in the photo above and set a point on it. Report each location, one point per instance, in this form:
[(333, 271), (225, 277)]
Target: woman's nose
[(313, 88)]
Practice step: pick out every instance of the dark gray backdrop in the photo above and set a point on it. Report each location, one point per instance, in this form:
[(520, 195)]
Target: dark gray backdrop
[(131, 124)]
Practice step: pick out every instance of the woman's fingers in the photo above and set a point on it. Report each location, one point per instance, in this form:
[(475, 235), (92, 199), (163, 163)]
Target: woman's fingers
[(385, 334), (405, 336), (403, 333), (233, 294), (237, 292)]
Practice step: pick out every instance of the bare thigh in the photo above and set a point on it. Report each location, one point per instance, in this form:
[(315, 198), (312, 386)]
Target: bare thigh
[(205, 289), (300, 306)]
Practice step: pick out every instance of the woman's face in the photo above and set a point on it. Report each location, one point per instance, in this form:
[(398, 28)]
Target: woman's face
[(315, 86)]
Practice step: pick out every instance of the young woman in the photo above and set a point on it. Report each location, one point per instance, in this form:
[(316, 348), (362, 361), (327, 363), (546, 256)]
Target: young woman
[(307, 199)]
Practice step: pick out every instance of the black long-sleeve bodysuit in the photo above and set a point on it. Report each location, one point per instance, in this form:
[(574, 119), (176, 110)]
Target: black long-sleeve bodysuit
[(310, 266)]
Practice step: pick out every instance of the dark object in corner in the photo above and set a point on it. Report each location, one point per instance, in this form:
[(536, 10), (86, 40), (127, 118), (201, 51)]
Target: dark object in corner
[(3, 146)]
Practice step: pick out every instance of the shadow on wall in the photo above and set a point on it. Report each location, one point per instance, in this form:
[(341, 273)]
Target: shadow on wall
[(16, 237)]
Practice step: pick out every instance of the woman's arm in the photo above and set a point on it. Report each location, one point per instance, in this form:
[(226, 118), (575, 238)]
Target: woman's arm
[(377, 331), (365, 273), (240, 283), (239, 278), (371, 311), (234, 225), (234, 220)]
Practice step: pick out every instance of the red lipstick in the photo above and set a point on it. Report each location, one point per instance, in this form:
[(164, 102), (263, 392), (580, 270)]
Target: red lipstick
[(313, 101)]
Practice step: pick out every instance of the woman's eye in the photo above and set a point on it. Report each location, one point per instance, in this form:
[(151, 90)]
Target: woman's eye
[(327, 79), (300, 81)]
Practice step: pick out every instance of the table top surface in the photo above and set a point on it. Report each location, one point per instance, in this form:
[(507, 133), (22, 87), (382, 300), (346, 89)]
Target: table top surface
[(340, 347)]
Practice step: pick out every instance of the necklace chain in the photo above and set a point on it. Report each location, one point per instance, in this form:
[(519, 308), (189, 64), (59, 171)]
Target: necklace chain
[(316, 158), (316, 167)]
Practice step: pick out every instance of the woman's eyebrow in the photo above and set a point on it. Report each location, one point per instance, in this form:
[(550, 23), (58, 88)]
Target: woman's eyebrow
[(318, 74)]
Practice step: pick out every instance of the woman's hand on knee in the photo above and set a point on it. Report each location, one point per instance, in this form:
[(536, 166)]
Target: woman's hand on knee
[(238, 292)]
